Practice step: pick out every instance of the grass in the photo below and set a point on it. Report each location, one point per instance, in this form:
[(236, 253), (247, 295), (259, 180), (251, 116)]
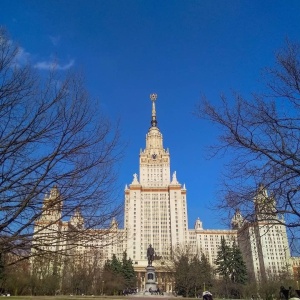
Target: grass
[(76, 297)]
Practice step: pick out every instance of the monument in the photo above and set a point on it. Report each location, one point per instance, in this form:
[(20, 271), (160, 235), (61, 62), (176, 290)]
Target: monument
[(150, 271)]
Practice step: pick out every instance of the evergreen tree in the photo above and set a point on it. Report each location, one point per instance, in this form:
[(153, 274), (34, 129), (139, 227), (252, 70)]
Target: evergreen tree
[(223, 263), (119, 275), (191, 272), (232, 268), (195, 276), (113, 277), (115, 265), (182, 275), (128, 271), (224, 260), (206, 275), (238, 266)]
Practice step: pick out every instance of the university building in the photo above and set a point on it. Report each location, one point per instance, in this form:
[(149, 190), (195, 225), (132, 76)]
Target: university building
[(156, 213)]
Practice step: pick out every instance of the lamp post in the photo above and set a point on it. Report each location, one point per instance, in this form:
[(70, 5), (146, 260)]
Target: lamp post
[(102, 286)]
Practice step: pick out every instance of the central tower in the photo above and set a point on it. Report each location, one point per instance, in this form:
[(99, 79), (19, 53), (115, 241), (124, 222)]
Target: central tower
[(154, 160), (155, 204)]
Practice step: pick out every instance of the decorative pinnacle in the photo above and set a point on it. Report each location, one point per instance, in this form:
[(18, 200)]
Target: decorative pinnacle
[(153, 98)]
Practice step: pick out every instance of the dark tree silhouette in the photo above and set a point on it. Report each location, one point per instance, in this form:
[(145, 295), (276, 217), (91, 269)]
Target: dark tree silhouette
[(51, 133), (262, 135)]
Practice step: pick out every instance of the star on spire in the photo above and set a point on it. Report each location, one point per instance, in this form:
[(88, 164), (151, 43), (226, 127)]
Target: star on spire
[(153, 98)]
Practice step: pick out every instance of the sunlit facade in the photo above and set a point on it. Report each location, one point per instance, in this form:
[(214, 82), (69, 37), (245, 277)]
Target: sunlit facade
[(155, 203), (156, 213)]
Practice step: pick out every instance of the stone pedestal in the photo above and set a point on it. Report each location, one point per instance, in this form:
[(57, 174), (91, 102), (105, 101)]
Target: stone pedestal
[(150, 279)]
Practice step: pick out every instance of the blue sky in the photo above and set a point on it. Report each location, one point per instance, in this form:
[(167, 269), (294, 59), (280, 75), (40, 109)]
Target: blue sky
[(180, 50)]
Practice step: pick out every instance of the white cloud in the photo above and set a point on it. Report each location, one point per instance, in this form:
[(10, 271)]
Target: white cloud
[(55, 39), (22, 57), (51, 65)]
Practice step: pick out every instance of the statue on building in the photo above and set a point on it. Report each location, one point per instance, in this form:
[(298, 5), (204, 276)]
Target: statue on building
[(135, 179), (150, 255), (174, 178)]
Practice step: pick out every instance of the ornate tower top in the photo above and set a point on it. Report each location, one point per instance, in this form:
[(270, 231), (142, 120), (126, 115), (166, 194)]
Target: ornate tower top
[(153, 98), (154, 137), (154, 159)]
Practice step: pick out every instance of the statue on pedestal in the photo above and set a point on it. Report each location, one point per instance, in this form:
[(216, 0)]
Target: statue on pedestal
[(150, 255)]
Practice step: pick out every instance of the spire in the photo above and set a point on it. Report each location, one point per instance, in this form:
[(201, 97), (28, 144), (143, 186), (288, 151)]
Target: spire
[(153, 98)]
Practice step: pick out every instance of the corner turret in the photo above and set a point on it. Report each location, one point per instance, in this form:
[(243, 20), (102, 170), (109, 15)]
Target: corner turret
[(77, 220), (52, 205), (198, 225), (265, 205), (237, 220)]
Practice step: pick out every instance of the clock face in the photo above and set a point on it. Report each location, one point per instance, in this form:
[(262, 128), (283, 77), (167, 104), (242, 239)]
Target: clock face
[(154, 156)]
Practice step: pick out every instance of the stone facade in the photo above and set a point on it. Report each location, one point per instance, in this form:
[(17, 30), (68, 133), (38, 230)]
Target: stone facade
[(156, 213)]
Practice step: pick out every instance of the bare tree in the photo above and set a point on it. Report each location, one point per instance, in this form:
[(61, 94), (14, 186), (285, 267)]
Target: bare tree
[(51, 133), (83, 274), (262, 136)]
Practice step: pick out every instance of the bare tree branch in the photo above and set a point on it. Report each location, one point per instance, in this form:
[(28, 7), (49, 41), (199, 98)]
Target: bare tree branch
[(262, 136), (51, 133)]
